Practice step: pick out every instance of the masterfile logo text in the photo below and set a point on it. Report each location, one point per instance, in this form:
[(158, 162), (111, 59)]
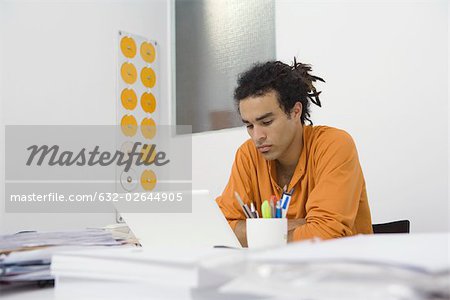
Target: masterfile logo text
[(53, 156), (94, 168)]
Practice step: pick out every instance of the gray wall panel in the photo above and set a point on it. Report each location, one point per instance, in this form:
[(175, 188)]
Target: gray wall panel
[(215, 41)]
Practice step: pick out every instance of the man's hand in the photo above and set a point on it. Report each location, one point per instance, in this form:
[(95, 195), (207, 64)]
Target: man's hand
[(292, 225)]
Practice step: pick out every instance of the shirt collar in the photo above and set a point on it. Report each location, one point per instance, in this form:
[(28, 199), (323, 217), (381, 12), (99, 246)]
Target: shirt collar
[(301, 164)]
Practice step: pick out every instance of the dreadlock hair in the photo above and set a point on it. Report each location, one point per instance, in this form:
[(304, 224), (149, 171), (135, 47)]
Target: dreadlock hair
[(291, 83)]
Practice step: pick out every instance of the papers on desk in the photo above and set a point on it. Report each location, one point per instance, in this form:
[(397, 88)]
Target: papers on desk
[(27, 256), (26, 240), (170, 267), (153, 273), (395, 266), (427, 253)]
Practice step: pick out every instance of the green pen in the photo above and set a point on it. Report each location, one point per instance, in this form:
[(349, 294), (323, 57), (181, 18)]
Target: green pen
[(265, 209)]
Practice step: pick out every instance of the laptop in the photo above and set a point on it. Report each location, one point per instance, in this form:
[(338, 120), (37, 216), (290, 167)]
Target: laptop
[(206, 226)]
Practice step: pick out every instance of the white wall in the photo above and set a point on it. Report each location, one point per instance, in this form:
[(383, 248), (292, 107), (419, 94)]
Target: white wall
[(448, 107), (213, 156), (58, 66), (385, 63)]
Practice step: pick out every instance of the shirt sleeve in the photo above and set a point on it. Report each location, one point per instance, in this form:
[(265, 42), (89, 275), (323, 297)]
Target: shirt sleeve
[(240, 181), (333, 204)]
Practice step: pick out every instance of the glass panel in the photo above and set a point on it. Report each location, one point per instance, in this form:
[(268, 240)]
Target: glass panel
[(215, 41)]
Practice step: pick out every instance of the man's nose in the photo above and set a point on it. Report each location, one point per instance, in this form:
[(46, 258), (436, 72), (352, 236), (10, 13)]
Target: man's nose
[(259, 134)]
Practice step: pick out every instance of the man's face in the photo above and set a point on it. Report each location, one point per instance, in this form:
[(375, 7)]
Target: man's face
[(270, 128)]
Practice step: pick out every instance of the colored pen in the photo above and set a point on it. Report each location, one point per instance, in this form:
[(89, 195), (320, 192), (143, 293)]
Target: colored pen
[(265, 209), (286, 205), (245, 208), (273, 201), (278, 210), (253, 211), (286, 200)]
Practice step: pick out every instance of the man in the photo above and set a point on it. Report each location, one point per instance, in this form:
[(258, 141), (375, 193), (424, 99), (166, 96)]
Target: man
[(320, 163)]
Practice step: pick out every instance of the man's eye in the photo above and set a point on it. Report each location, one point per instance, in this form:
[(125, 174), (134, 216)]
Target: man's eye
[(249, 126), (266, 123)]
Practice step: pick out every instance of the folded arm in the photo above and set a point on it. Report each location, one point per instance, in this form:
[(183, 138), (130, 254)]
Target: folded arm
[(333, 204)]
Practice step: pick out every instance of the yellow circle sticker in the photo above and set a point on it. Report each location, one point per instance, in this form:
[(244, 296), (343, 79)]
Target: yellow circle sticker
[(148, 52), (129, 99), (148, 102), (148, 77), (128, 46), (148, 180), (129, 125), (148, 128), (128, 72), (148, 153)]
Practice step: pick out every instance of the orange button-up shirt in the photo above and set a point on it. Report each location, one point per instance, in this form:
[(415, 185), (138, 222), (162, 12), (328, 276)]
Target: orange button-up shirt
[(329, 187)]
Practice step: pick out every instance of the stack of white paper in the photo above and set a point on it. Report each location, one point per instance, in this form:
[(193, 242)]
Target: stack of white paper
[(146, 274), (395, 266)]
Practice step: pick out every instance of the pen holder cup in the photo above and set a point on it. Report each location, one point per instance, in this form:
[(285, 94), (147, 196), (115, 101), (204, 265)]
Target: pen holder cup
[(266, 232)]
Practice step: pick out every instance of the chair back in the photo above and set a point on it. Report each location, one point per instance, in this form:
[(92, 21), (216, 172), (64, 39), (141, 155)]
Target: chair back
[(401, 226)]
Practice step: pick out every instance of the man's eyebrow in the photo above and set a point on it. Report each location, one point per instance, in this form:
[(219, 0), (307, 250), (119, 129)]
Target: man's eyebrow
[(269, 114)]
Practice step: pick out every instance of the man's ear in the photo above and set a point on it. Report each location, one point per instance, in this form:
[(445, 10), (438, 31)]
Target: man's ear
[(297, 110)]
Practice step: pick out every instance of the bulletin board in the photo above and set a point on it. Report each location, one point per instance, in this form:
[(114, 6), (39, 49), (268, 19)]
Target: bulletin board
[(137, 107)]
